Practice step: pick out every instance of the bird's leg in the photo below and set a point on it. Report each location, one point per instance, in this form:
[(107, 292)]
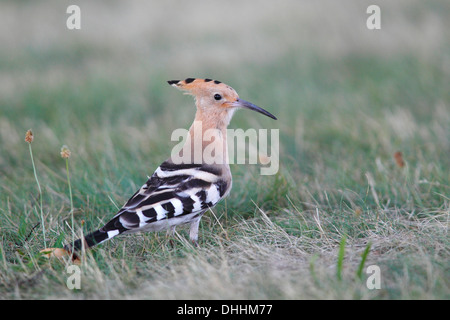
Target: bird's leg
[(170, 234), (193, 231)]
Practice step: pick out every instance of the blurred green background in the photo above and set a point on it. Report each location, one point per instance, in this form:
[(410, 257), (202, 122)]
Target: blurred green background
[(347, 98), (300, 59), (305, 61)]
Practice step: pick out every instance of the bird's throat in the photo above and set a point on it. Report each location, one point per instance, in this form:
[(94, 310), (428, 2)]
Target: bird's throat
[(207, 140)]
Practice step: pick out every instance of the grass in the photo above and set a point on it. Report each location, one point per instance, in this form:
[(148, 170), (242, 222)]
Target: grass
[(339, 204)]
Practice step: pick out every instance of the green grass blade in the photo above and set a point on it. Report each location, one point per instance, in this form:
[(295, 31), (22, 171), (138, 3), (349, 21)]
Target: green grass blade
[(340, 260), (363, 261)]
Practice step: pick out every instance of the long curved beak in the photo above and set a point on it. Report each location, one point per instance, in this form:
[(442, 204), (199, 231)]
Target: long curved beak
[(248, 105)]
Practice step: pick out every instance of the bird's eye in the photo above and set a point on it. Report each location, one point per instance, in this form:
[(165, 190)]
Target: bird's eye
[(217, 96)]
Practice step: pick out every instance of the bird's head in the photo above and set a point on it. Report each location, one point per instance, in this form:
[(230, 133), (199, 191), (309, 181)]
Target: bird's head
[(215, 97)]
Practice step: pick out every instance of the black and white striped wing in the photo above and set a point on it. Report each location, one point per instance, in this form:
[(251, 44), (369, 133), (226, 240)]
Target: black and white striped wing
[(173, 195)]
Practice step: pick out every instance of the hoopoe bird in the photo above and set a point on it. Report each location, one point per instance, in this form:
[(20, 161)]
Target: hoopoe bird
[(180, 192)]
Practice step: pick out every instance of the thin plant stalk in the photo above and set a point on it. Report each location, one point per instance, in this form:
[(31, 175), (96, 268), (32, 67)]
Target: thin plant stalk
[(40, 193), (65, 153), (71, 199)]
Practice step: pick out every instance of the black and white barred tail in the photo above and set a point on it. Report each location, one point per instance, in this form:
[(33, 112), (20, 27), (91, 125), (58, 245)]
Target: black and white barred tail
[(90, 240)]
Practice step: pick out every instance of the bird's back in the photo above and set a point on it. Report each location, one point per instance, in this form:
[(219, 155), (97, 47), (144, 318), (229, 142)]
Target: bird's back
[(171, 195)]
